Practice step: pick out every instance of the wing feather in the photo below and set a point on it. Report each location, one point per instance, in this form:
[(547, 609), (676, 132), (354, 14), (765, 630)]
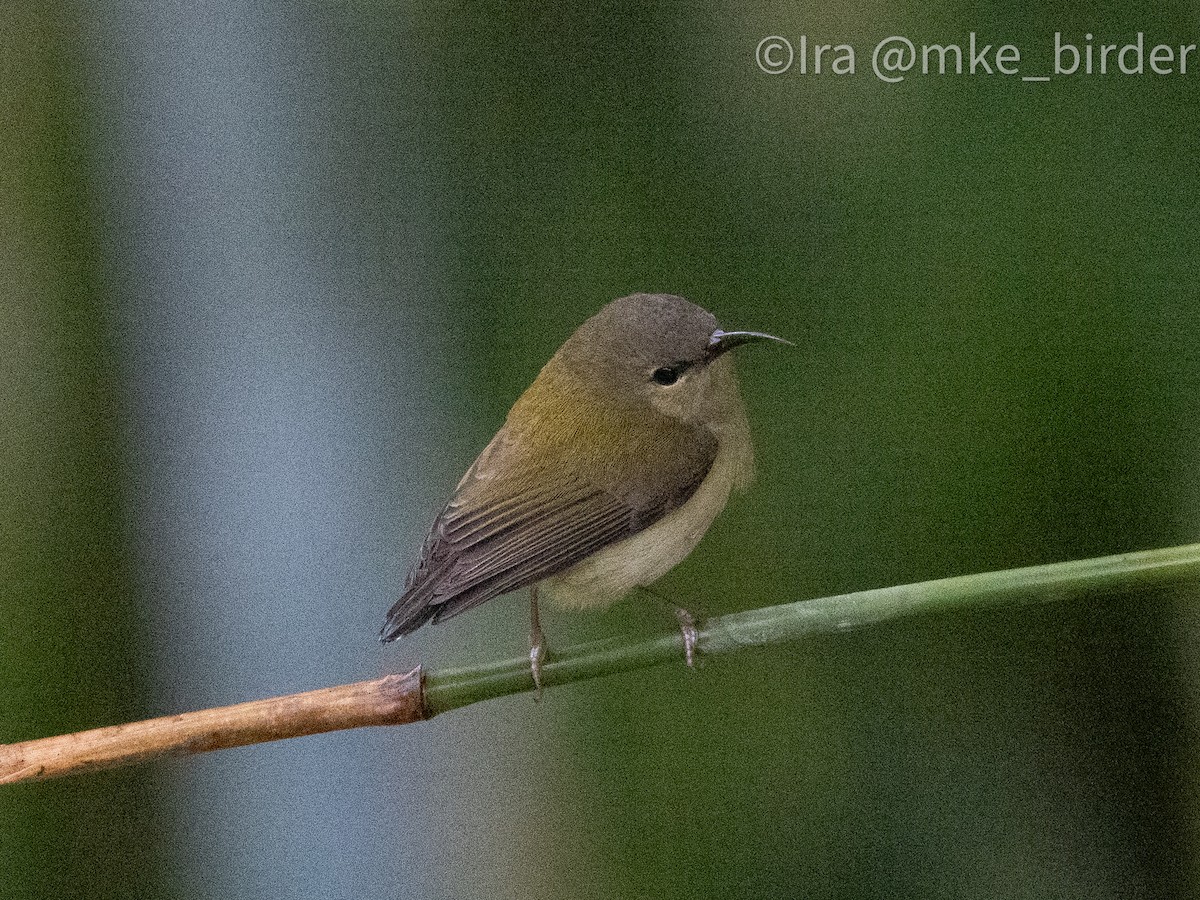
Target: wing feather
[(480, 548)]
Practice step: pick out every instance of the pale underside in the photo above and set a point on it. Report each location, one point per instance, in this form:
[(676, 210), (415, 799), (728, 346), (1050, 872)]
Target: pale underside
[(609, 574)]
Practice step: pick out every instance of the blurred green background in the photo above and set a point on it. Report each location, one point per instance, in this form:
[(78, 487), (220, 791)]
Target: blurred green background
[(271, 278)]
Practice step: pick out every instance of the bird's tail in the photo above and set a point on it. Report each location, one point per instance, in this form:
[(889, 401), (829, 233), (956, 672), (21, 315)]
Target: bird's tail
[(405, 617)]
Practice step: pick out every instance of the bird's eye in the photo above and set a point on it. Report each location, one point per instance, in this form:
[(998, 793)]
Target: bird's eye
[(665, 376)]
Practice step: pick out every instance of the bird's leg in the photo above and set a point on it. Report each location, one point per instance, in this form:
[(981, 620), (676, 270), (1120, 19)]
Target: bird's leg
[(687, 626), (537, 642)]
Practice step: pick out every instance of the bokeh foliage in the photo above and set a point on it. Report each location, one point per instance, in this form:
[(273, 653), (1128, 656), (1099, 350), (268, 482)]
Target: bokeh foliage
[(70, 645), (994, 290)]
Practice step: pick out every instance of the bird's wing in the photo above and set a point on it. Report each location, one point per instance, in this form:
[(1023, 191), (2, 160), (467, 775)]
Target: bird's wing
[(481, 547)]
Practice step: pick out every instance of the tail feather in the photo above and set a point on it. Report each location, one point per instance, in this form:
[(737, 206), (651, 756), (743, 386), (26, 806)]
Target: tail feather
[(404, 618)]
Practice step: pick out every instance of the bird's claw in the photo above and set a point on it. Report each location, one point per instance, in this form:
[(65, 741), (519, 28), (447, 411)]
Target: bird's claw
[(687, 625), (537, 656)]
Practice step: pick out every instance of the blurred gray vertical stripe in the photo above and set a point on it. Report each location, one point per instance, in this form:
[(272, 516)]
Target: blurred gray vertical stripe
[(269, 412)]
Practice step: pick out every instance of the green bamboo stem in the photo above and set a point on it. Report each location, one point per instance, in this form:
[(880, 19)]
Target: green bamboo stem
[(789, 622), (415, 696)]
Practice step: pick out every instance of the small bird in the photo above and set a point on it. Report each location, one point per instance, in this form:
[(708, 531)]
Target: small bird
[(607, 472)]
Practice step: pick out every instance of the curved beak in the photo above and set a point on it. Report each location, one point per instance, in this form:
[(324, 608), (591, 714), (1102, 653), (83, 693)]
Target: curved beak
[(722, 341)]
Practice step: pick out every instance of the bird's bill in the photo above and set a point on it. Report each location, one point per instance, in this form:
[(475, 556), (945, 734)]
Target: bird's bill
[(723, 341)]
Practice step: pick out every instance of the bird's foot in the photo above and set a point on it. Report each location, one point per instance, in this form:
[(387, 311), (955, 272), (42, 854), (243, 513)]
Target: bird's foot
[(537, 656), (687, 625)]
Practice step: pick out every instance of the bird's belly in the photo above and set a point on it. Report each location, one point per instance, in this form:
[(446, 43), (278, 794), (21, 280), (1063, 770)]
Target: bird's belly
[(609, 574)]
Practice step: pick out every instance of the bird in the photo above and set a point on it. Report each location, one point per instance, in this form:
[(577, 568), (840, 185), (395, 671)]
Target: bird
[(607, 472)]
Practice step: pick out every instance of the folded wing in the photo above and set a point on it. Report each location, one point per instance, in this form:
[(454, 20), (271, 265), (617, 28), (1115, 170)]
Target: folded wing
[(498, 534)]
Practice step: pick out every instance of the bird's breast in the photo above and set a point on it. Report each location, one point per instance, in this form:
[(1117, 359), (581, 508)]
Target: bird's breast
[(609, 574)]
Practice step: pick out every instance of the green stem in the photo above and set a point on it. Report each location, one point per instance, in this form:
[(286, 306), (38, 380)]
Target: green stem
[(790, 622)]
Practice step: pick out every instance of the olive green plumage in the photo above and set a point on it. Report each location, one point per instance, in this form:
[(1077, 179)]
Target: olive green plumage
[(620, 430)]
